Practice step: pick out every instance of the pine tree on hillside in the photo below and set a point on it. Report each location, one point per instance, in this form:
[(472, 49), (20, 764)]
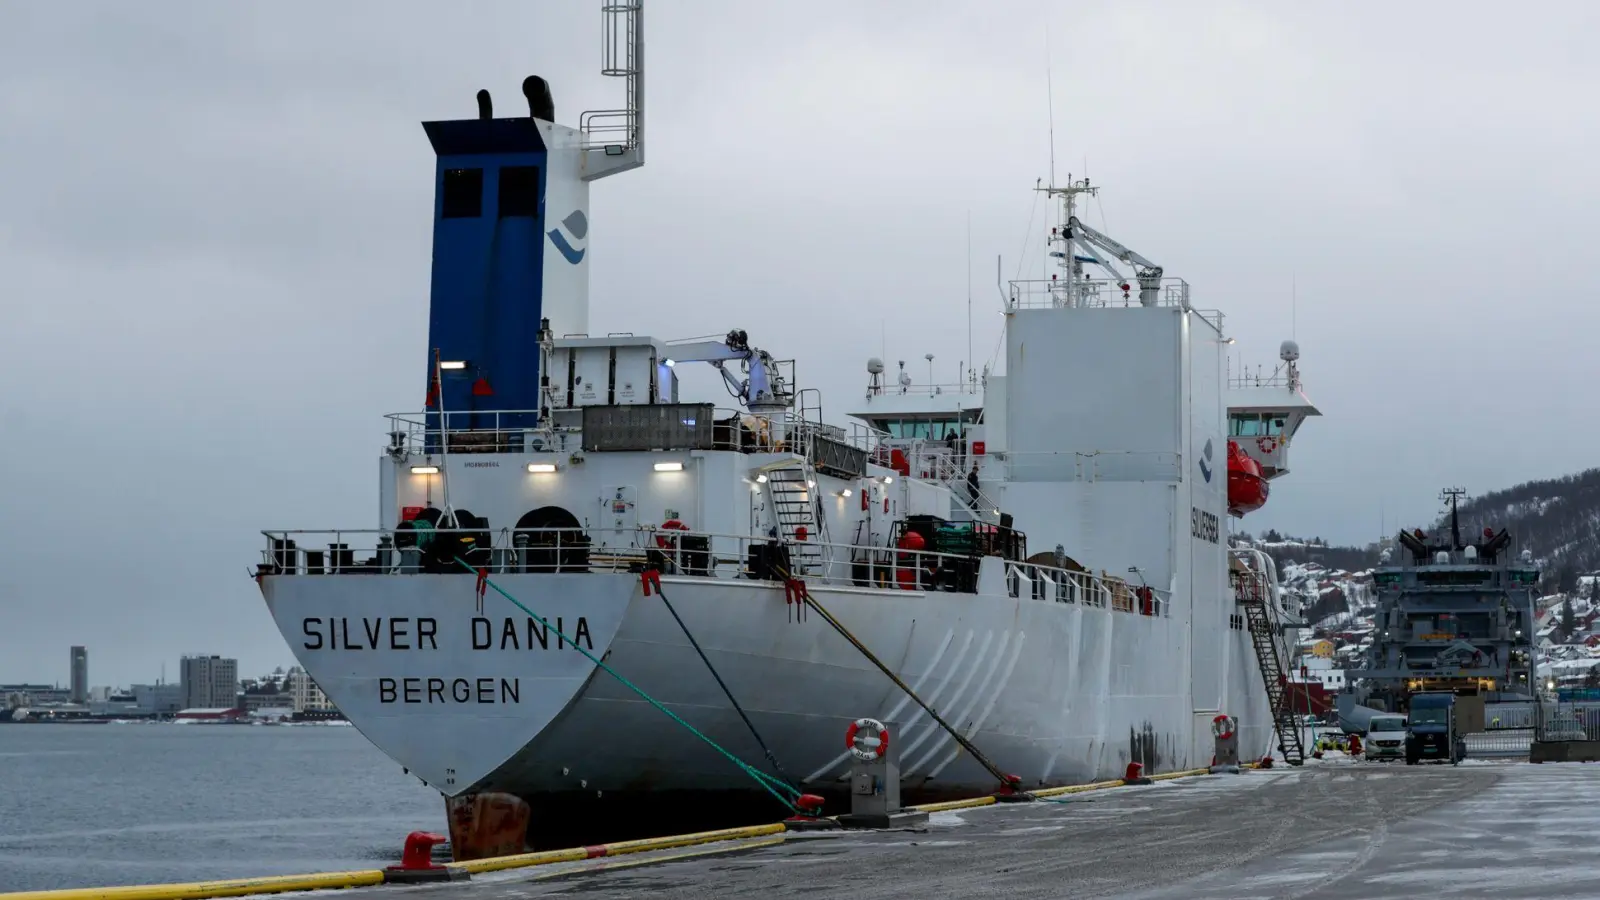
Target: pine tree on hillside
[(1569, 621)]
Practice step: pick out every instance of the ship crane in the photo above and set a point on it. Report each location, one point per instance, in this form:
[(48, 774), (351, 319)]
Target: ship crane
[(763, 390), (1147, 272)]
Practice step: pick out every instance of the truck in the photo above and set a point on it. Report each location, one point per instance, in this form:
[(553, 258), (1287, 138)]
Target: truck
[(1435, 731)]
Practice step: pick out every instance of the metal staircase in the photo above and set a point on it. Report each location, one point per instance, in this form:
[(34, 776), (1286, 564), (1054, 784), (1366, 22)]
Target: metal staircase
[(1262, 622), (954, 477), (791, 491), (986, 510)]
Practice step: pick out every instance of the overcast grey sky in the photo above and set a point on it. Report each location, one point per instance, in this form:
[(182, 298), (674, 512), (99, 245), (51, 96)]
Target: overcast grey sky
[(214, 239)]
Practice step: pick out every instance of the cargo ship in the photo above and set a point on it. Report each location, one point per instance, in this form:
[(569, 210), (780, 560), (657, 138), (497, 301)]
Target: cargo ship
[(1040, 553)]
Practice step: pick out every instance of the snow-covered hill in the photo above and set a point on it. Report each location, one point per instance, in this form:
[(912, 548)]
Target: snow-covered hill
[(1334, 603)]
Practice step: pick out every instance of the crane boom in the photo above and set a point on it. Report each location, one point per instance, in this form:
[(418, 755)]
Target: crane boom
[(762, 390), (1147, 272)]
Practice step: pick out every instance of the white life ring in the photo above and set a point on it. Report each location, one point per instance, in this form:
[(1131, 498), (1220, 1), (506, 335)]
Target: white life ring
[(867, 747), (1222, 726), (1267, 444)]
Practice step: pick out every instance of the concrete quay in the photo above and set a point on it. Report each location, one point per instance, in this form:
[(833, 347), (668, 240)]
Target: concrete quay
[(1337, 829)]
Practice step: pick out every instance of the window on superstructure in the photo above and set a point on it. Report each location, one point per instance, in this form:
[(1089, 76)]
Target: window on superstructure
[(1246, 426), (519, 191), (1251, 425), (928, 429), (461, 196)]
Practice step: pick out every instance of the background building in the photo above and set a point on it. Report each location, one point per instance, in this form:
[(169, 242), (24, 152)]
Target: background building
[(158, 699), (271, 692), (80, 674), (16, 695), (307, 696), (209, 682)]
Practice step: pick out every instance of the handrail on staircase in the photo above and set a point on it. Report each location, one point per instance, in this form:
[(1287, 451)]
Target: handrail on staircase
[(1249, 587)]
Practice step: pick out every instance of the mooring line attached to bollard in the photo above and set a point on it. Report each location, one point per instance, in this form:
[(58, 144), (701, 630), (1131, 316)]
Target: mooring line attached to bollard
[(762, 778), (656, 581)]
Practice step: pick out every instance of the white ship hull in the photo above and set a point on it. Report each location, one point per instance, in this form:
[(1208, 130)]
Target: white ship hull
[(1053, 692)]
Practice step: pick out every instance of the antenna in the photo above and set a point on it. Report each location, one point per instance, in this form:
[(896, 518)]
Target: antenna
[(615, 137), (1451, 496), (1050, 100), (969, 285)]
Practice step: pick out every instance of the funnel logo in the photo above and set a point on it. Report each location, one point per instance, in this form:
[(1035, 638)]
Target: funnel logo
[(1205, 458), (578, 225)]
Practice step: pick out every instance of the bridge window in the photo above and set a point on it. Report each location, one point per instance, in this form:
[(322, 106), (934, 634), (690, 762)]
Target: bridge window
[(934, 429), (1255, 425), (462, 194)]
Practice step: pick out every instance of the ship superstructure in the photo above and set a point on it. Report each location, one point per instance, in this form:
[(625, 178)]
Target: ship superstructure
[(1454, 613), (1040, 554)]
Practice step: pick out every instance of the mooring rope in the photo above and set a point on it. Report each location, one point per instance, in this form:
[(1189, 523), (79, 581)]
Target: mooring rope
[(1008, 782), (656, 581), (768, 782)]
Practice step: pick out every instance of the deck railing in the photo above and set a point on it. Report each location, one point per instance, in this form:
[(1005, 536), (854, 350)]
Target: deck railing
[(509, 431), (1036, 293), (356, 552), (973, 388), (1279, 378)]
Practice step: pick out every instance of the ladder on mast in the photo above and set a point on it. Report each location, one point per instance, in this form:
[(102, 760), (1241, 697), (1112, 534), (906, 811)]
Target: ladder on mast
[(1263, 625)]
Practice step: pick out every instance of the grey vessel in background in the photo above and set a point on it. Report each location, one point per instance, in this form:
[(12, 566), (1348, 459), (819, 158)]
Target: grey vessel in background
[(1452, 615)]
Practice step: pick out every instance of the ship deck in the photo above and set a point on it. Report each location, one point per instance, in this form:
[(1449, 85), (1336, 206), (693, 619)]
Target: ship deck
[(1333, 829)]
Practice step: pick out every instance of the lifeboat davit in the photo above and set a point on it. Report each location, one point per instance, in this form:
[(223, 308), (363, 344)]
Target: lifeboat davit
[(1247, 489)]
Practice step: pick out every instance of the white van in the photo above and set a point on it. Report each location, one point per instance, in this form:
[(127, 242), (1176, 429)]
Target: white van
[(1386, 738)]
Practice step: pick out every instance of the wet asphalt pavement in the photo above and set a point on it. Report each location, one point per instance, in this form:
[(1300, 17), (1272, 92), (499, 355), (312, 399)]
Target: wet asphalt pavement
[(1337, 829)]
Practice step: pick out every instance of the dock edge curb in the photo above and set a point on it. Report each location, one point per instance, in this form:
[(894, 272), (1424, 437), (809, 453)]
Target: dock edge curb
[(203, 890), (277, 884), (619, 848)]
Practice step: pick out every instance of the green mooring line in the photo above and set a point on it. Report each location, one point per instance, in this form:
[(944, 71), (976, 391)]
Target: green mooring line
[(771, 758), (762, 778)]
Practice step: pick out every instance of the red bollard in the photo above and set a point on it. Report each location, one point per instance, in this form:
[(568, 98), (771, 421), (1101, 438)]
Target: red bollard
[(1011, 791), (1135, 774), (808, 815), (416, 862)]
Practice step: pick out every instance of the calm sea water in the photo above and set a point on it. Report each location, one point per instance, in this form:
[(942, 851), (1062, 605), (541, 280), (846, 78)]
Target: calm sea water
[(97, 805)]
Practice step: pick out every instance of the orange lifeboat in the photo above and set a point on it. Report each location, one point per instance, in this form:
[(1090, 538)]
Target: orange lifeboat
[(1247, 489)]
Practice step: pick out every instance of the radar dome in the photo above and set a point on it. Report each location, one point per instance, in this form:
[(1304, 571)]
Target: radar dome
[(1384, 557), (1441, 558), (1471, 552), (875, 366), (1289, 351)]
